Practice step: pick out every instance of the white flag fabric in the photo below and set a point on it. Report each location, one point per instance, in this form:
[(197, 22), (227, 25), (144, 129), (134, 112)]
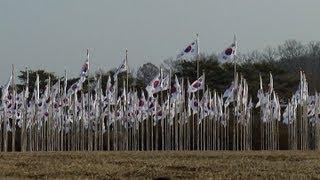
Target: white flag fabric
[(26, 92), (55, 89), (83, 76), (176, 90), (85, 67), (122, 68), (165, 82), (193, 104), (142, 103), (46, 90), (124, 95), (229, 94), (75, 87), (286, 113), (5, 89), (228, 53), (154, 86), (65, 85), (271, 84), (110, 92), (190, 51), (196, 85), (37, 89), (260, 94)]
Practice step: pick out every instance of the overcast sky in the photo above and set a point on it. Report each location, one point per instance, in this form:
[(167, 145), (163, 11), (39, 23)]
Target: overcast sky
[(53, 35)]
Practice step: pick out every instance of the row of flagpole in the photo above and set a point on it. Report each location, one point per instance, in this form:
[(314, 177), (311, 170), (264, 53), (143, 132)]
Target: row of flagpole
[(174, 115)]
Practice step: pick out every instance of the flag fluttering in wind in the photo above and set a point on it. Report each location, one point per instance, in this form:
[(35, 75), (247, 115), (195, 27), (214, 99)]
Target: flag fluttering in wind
[(301, 94), (165, 82), (196, 85), (229, 94), (154, 86), (190, 51), (110, 92), (176, 90), (83, 76), (230, 52), (55, 89), (122, 68), (37, 89), (85, 66), (260, 94), (142, 103), (193, 104), (77, 86), (26, 92), (5, 89), (271, 84)]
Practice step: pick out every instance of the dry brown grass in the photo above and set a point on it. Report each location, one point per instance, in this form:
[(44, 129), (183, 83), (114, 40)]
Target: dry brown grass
[(141, 165)]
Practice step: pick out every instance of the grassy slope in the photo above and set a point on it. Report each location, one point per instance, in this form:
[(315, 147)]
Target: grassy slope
[(281, 164)]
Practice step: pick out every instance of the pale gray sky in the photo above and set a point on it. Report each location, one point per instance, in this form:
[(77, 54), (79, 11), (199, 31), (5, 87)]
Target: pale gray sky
[(53, 35)]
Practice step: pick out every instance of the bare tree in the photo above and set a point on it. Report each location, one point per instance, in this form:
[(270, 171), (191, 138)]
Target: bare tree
[(147, 72), (253, 56), (291, 49), (313, 49), (169, 64), (270, 54)]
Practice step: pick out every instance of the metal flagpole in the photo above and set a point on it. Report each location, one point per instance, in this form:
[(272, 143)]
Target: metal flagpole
[(126, 102), (195, 123), (14, 99), (25, 104)]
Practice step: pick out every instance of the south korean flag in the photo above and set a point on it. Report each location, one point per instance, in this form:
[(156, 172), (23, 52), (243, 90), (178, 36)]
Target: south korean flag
[(189, 52), (229, 53), (122, 68)]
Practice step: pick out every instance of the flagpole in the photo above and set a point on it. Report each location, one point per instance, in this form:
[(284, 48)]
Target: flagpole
[(14, 117), (181, 119), (203, 121), (126, 103), (102, 117), (196, 128), (197, 57), (127, 72), (162, 123), (109, 118), (63, 118), (169, 127), (49, 129), (235, 56), (25, 99), (90, 134)]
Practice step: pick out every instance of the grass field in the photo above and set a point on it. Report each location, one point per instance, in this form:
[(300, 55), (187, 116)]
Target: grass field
[(184, 165)]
